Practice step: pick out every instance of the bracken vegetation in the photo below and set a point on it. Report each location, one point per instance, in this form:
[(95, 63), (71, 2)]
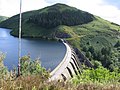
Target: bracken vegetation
[(34, 77)]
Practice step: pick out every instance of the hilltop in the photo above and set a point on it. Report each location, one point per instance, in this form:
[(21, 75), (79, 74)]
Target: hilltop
[(96, 37)]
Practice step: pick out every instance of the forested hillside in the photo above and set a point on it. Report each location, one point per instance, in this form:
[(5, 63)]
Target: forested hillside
[(56, 15)]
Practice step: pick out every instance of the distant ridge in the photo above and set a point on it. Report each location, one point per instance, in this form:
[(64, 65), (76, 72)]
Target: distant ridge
[(2, 18)]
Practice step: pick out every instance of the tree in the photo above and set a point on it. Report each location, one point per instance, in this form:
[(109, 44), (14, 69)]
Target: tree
[(32, 67), (96, 64), (106, 51), (98, 75), (3, 70), (117, 44), (91, 49), (88, 55), (97, 55), (85, 49), (54, 17), (106, 61)]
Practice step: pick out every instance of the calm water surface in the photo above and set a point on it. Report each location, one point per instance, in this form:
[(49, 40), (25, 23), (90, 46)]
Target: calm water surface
[(50, 52)]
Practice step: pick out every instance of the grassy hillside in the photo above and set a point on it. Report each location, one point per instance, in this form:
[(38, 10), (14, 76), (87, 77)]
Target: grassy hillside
[(2, 18), (84, 31)]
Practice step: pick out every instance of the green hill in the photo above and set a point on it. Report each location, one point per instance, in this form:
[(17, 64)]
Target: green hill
[(60, 14), (34, 22), (84, 31), (2, 18)]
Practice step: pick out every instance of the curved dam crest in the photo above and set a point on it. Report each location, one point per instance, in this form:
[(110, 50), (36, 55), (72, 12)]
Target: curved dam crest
[(68, 67)]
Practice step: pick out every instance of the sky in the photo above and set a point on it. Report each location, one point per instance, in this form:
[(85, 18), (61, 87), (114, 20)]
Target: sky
[(107, 9)]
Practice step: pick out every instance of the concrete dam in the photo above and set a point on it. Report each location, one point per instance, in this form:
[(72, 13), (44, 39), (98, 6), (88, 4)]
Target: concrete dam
[(69, 66)]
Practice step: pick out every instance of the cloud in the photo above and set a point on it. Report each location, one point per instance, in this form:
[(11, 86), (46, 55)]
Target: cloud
[(99, 8), (11, 7), (33, 4), (113, 2)]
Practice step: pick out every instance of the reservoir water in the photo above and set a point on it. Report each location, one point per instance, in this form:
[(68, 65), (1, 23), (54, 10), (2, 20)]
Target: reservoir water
[(50, 52)]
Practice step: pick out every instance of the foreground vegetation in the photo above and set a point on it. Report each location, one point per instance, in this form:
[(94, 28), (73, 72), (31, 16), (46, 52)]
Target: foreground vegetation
[(35, 77)]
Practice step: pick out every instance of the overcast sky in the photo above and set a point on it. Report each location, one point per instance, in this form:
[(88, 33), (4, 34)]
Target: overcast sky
[(107, 9)]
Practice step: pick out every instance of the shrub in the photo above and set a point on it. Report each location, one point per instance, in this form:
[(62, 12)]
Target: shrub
[(3, 70), (117, 44), (32, 67), (99, 75)]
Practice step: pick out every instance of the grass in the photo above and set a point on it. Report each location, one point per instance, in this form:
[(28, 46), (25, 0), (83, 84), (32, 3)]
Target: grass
[(38, 83)]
